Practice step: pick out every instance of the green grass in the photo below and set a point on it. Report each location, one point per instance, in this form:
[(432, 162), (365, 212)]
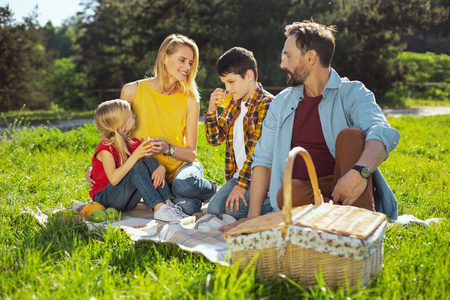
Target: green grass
[(44, 169), (26, 117)]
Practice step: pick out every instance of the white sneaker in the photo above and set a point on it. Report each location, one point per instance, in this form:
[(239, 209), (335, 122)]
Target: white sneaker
[(167, 213), (178, 209)]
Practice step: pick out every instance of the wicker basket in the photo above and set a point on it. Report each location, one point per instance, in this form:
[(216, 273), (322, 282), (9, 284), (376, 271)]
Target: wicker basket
[(344, 243)]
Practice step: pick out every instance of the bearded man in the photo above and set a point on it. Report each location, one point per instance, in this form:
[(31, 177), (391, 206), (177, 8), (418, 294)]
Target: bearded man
[(336, 120)]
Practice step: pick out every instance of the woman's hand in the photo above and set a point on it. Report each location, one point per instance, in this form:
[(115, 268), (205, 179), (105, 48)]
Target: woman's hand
[(234, 198), (215, 100), (159, 146), (89, 179), (158, 177)]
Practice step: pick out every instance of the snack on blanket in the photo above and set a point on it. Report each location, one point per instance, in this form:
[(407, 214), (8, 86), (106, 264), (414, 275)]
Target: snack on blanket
[(98, 215), (90, 207), (65, 213)]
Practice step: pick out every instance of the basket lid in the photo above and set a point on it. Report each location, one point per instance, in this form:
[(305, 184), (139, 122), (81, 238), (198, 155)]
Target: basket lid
[(265, 222), (343, 220)]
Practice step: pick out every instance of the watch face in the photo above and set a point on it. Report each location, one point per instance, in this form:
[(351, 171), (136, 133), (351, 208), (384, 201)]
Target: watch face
[(365, 172)]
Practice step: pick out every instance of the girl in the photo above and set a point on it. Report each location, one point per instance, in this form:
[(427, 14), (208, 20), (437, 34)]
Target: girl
[(167, 106), (123, 169)]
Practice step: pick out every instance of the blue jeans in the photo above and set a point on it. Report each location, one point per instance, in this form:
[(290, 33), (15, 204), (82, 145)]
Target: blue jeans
[(217, 204), (135, 185), (191, 189)]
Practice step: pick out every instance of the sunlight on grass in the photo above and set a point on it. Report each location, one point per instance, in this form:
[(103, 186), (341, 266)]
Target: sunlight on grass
[(42, 168)]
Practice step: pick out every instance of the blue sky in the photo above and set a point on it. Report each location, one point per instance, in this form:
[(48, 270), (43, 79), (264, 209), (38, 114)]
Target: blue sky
[(54, 10)]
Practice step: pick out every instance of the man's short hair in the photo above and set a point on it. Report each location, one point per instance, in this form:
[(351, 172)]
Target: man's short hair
[(313, 36), (237, 60)]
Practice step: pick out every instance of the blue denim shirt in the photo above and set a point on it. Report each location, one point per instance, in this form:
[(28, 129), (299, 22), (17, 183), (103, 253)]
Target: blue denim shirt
[(345, 104)]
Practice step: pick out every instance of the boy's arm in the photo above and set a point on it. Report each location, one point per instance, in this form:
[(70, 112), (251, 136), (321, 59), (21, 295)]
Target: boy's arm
[(246, 172), (216, 129)]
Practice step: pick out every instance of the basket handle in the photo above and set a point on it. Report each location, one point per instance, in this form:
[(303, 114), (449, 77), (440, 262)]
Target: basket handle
[(287, 183)]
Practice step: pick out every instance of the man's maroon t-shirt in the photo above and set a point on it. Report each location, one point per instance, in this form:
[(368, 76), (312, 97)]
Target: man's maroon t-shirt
[(307, 133)]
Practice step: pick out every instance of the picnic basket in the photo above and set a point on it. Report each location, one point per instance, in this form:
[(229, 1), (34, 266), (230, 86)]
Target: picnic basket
[(342, 243)]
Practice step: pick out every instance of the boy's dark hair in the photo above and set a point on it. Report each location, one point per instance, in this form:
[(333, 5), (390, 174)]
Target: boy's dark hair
[(313, 36), (237, 60)]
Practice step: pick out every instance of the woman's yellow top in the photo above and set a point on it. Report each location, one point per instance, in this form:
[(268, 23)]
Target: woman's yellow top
[(161, 116)]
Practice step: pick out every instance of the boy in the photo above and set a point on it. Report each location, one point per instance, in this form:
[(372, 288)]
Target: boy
[(240, 126)]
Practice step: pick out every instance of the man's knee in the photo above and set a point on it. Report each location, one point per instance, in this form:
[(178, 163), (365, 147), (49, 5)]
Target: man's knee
[(350, 136)]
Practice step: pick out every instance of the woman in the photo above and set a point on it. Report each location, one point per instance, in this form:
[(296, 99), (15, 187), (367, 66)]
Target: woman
[(167, 111)]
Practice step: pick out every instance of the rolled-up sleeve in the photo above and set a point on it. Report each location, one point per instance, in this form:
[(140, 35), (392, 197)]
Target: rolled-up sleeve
[(368, 116)]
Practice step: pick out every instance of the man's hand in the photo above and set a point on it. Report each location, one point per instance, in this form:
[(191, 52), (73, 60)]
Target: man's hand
[(89, 179), (232, 225), (233, 199), (349, 188)]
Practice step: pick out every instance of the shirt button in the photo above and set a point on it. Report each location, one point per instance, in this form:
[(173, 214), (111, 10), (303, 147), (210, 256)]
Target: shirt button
[(292, 108)]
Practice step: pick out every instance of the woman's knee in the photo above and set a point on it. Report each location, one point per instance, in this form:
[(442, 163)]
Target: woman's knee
[(185, 186)]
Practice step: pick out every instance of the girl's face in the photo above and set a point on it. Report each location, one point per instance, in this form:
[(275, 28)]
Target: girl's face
[(179, 64), (128, 126)]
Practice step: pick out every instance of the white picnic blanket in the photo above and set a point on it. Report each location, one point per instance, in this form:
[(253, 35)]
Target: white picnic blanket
[(200, 236)]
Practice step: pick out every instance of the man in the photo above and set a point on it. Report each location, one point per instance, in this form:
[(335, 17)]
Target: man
[(239, 126), (336, 120)]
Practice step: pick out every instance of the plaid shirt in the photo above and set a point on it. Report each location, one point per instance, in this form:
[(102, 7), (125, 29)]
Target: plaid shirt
[(219, 130)]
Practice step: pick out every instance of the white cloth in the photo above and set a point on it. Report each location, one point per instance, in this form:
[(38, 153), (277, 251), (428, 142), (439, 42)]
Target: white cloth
[(238, 140)]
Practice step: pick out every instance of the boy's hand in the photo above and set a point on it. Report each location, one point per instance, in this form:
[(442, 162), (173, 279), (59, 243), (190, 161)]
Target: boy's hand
[(234, 198), (158, 177), (215, 100)]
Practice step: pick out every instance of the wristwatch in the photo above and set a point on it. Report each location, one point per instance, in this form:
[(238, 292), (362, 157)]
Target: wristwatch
[(171, 151), (364, 171)]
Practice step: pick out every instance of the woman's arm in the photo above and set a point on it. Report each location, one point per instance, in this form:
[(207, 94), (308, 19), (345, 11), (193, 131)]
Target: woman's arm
[(128, 92)]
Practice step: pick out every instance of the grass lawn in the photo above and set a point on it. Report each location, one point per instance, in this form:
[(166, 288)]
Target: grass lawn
[(43, 169)]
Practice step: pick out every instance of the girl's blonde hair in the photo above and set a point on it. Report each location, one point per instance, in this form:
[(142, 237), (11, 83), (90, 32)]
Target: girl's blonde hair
[(108, 118), (169, 46)]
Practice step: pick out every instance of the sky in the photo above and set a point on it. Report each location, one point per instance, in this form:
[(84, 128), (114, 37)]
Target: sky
[(54, 10)]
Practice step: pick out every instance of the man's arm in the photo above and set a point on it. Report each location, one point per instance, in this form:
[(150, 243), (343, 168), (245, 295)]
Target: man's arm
[(259, 187), (352, 185)]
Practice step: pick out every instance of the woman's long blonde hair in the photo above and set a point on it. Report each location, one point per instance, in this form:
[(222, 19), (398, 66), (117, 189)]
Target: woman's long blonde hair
[(108, 118), (189, 87)]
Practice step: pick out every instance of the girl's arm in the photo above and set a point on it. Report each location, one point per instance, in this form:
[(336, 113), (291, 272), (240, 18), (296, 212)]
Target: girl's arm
[(114, 174)]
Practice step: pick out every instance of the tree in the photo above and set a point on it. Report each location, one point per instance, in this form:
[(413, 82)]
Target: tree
[(22, 61)]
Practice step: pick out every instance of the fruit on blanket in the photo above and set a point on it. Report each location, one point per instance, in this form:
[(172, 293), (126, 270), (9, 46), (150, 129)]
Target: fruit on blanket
[(98, 215), (66, 213), (112, 213), (90, 207)]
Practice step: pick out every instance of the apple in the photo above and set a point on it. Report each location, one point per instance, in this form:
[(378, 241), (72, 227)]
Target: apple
[(112, 213)]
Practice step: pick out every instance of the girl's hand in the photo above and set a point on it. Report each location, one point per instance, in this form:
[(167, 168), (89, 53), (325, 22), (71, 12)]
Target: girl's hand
[(158, 145), (215, 100), (158, 177), (143, 150)]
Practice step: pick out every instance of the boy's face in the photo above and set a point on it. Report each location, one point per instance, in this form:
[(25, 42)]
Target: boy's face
[(239, 87)]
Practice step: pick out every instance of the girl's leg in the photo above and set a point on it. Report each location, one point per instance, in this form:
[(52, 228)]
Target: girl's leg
[(138, 179), (152, 164)]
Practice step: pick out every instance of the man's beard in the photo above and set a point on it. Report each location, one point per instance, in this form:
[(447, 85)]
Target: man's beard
[(298, 77)]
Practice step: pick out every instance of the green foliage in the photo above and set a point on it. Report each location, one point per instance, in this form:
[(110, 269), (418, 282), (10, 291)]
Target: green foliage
[(44, 169), (22, 60), (422, 68)]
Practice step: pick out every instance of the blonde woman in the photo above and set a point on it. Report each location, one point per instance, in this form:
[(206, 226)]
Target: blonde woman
[(122, 166), (167, 111)]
